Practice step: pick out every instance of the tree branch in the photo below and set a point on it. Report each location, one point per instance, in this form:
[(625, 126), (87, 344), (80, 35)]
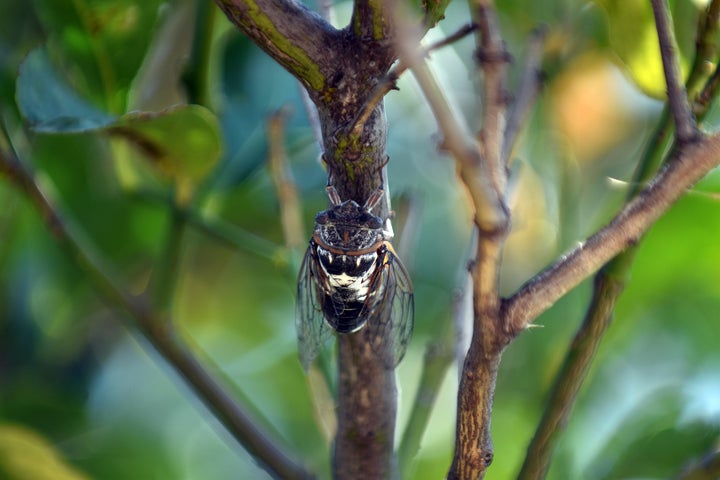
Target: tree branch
[(493, 59), (489, 208), (370, 20), (473, 443), (685, 127), (297, 38), (159, 331), (688, 165), (482, 171), (367, 408), (526, 93)]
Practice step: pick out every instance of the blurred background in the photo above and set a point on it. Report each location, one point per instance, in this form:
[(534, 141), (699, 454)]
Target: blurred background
[(83, 396)]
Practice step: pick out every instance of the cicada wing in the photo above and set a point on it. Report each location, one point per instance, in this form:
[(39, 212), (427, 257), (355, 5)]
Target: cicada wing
[(402, 312), (392, 311), (312, 331)]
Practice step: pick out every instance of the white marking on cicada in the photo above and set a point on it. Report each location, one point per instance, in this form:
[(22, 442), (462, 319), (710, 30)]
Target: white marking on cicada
[(326, 255), (358, 284)]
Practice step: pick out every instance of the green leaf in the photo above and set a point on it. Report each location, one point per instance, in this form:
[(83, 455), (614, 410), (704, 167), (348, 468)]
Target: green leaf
[(101, 42), (49, 103), (26, 455), (183, 143), (634, 39)]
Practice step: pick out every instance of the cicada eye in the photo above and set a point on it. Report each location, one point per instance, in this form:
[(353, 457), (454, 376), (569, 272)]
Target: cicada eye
[(372, 221), (321, 218)]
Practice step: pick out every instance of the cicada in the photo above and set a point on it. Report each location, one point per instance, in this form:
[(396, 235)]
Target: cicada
[(351, 277)]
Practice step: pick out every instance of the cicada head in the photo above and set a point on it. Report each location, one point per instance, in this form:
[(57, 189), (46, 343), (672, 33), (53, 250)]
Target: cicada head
[(348, 227)]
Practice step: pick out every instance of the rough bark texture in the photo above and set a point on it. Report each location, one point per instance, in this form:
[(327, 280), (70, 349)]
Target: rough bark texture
[(364, 442)]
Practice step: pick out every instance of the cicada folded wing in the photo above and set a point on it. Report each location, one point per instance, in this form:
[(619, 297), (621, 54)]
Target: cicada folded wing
[(312, 330), (392, 314), (402, 312)]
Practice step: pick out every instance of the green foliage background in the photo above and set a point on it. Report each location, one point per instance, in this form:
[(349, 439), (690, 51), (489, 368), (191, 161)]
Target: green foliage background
[(81, 396)]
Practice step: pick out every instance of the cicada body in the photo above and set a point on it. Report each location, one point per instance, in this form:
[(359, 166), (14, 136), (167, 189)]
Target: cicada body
[(351, 276)]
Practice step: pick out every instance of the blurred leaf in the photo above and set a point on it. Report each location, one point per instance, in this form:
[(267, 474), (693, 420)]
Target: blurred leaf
[(634, 39), (663, 450), (102, 43), (25, 455), (182, 143), (49, 103), (157, 83)]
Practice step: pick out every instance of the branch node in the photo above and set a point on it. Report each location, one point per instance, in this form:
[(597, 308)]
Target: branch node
[(487, 56)]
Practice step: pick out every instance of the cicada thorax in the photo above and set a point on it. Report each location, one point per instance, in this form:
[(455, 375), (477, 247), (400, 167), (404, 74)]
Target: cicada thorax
[(348, 242)]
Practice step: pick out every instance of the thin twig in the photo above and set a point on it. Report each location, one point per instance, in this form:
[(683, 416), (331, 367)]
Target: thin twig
[(165, 274), (527, 91), (706, 47), (493, 59), (685, 127), (439, 356), (489, 207), (225, 232), (459, 34), (158, 331), (389, 81), (384, 86), (707, 94), (287, 195)]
